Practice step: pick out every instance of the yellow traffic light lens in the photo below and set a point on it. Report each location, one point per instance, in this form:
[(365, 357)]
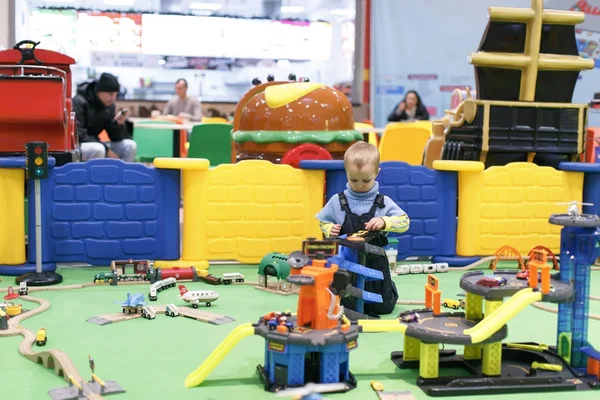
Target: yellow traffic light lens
[(39, 161)]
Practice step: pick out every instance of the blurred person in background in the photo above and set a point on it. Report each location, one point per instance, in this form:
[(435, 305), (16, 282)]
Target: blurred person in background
[(95, 111), (409, 109), (182, 105)]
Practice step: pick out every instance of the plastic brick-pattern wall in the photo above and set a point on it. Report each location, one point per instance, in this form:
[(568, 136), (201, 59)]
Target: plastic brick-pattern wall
[(254, 207), (510, 205), (105, 209), (427, 196)]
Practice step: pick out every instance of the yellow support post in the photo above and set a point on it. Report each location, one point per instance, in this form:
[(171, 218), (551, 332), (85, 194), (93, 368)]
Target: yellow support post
[(412, 348), (429, 360), (99, 381), (473, 312), (491, 363)]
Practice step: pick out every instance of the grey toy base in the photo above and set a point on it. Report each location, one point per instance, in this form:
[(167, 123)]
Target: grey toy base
[(72, 392)]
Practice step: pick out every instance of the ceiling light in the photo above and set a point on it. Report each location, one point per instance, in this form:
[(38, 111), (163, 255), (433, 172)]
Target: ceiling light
[(119, 2), (292, 9), (204, 6)]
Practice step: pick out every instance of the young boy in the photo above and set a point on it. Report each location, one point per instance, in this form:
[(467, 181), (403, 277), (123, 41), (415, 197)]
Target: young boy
[(362, 207)]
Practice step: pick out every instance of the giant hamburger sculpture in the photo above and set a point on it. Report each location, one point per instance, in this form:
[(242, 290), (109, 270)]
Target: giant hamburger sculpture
[(288, 121)]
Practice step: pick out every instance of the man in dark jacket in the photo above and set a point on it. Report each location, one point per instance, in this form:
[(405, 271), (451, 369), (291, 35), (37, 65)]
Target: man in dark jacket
[(95, 111)]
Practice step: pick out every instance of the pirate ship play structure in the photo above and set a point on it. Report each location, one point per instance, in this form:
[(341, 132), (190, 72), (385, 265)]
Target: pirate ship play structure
[(526, 69)]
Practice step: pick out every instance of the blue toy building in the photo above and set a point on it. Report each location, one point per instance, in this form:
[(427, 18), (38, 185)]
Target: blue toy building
[(579, 248)]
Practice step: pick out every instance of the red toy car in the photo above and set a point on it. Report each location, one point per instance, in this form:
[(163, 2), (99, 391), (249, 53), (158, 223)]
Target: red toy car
[(525, 275), (492, 281)]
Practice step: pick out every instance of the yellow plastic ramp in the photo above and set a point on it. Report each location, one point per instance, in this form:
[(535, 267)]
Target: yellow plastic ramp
[(499, 317), (376, 325), (198, 376)]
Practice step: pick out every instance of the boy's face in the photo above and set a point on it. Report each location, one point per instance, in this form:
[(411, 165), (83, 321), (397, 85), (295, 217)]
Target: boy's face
[(361, 179)]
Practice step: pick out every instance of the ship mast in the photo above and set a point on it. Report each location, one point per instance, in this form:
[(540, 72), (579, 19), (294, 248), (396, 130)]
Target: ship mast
[(531, 60)]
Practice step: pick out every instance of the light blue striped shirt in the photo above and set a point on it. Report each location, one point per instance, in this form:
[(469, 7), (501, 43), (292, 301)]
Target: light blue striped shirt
[(361, 203)]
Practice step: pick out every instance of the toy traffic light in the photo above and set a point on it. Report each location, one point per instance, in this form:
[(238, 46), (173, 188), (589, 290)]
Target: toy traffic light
[(37, 160)]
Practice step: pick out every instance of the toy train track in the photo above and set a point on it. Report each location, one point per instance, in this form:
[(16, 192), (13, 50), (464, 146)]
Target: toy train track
[(199, 315), (62, 364)]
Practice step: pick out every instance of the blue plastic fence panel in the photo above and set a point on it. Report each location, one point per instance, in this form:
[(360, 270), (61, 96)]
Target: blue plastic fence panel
[(591, 184), (106, 209), (429, 198)]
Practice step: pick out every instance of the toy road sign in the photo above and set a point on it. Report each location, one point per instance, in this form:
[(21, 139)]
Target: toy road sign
[(37, 160)]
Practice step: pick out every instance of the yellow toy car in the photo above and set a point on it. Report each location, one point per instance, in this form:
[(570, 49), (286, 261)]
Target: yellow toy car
[(454, 304), (41, 338), (377, 386)]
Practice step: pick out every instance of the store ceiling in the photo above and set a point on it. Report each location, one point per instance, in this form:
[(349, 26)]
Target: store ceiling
[(311, 9)]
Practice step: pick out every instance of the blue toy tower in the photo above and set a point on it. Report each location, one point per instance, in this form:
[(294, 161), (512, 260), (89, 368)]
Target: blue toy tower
[(579, 248)]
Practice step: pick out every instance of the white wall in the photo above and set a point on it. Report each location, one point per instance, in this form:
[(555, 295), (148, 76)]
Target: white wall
[(6, 22)]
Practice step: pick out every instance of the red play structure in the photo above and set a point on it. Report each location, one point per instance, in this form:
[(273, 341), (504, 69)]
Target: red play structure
[(35, 104)]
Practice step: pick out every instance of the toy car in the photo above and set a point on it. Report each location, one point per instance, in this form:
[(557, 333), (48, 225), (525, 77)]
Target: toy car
[(41, 338), (171, 310), (410, 318), (523, 274), (148, 312), (23, 290), (492, 281), (454, 304), (377, 386)]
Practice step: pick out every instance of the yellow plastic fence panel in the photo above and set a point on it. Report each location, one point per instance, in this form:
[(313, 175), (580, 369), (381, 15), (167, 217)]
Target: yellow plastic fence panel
[(12, 216), (254, 207), (510, 205)]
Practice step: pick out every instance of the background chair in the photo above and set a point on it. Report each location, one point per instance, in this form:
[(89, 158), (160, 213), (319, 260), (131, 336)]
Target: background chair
[(213, 142), (405, 142), (153, 143)]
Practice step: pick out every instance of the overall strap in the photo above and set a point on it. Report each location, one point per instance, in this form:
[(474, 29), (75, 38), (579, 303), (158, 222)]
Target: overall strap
[(344, 203), (378, 203)]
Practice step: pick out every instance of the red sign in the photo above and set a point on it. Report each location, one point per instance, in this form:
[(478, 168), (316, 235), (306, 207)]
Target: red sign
[(11, 294), (586, 8)]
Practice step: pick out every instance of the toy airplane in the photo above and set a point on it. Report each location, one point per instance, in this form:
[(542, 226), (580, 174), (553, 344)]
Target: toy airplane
[(573, 207), (132, 301), (196, 297), (311, 391)]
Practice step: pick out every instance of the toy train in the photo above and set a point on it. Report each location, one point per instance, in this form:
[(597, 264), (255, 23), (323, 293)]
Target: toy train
[(159, 286), (232, 277), (111, 277), (152, 275), (405, 269)]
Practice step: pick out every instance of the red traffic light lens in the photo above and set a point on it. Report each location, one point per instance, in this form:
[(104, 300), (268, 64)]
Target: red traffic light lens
[(38, 150)]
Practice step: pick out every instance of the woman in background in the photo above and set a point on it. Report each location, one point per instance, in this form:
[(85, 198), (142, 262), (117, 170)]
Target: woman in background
[(409, 109)]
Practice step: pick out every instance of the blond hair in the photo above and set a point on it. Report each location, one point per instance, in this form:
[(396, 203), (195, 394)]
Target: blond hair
[(361, 154)]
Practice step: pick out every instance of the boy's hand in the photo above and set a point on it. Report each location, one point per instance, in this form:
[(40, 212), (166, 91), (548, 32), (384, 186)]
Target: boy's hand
[(375, 224), (335, 230)]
